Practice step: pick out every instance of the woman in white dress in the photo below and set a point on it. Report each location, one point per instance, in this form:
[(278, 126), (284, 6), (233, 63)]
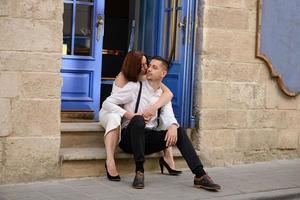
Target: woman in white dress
[(134, 69)]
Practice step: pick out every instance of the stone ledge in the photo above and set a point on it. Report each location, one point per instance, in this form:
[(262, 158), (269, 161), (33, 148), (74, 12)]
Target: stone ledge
[(81, 127), (72, 154)]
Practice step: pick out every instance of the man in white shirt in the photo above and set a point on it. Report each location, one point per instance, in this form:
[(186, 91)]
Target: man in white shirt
[(141, 135)]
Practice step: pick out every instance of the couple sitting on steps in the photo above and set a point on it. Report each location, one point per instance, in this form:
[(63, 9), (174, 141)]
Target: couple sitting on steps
[(148, 126)]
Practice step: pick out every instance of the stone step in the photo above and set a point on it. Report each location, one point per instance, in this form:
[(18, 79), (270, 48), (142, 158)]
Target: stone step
[(82, 152), (83, 162), (81, 135), (81, 139), (81, 127), (98, 153)]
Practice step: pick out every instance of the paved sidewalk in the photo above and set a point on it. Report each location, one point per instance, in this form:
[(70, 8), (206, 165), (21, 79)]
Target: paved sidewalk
[(261, 181)]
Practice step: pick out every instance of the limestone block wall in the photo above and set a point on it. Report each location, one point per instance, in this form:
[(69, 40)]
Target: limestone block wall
[(242, 115), (30, 59)]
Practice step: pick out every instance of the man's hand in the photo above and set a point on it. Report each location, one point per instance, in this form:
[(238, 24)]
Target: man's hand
[(171, 135), (146, 118), (149, 113)]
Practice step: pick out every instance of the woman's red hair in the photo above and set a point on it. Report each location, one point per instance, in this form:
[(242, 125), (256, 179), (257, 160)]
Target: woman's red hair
[(131, 67)]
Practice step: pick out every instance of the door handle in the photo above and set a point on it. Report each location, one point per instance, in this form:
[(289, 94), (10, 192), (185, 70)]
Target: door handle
[(173, 27), (182, 26), (100, 22)]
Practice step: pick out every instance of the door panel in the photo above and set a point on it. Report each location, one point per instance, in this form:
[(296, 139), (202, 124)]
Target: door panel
[(82, 55), (180, 75), (80, 89)]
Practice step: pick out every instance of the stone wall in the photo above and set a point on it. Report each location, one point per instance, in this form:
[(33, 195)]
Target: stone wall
[(244, 117), (30, 59)]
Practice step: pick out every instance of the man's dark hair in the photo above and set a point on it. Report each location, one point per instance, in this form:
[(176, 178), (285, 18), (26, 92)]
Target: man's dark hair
[(164, 62)]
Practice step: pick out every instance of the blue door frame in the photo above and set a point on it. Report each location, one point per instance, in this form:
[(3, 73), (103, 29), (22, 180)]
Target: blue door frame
[(81, 73), (153, 41)]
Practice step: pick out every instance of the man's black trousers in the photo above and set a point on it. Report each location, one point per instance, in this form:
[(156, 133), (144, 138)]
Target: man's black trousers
[(139, 141)]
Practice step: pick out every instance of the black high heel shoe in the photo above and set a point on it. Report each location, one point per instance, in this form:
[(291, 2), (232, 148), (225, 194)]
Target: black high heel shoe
[(172, 172), (110, 177)]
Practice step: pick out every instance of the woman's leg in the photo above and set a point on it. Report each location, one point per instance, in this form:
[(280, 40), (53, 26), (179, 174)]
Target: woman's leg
[(111, 140), (168, 157)]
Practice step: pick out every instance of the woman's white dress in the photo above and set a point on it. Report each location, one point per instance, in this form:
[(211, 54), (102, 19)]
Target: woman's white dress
[(110, 121)]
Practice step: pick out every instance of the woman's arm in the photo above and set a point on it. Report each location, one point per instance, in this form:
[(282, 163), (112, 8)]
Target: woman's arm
[(165, 98), (123, 96)]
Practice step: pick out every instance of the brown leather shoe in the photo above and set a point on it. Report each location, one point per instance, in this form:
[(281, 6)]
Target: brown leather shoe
[(206, 182), (138, 182)]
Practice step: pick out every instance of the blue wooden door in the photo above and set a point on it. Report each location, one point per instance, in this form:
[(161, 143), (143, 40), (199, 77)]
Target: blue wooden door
[(156, 39), (82, 54)]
